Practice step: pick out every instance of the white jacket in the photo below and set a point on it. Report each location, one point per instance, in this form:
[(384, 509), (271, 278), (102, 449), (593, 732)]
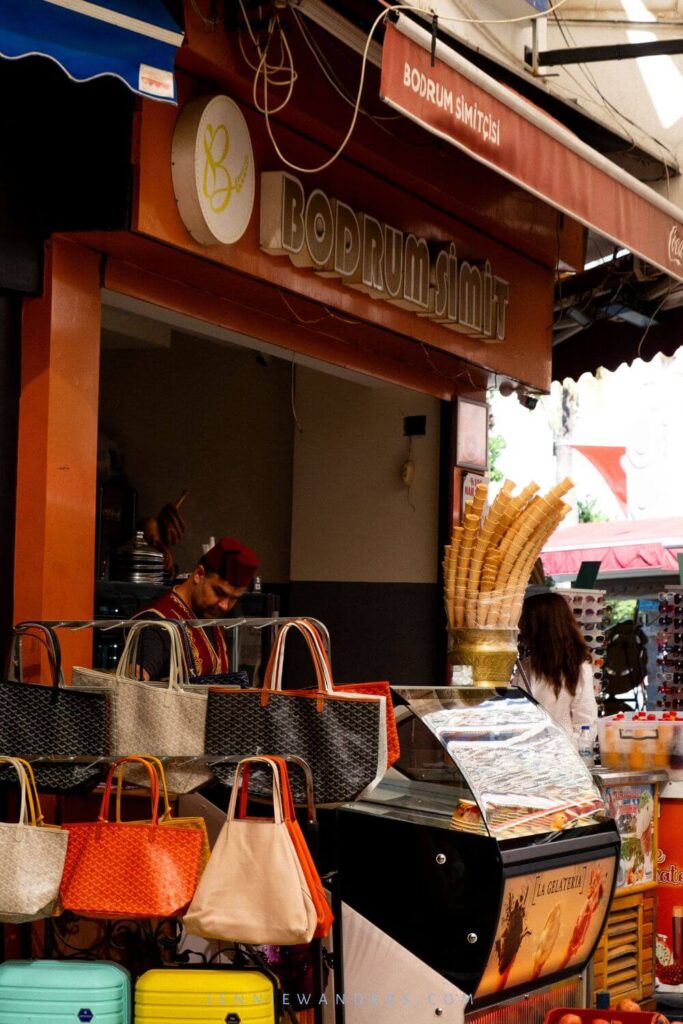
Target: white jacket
[(569, 712)]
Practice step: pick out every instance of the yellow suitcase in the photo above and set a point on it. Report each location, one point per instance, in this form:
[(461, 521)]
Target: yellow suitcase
[(211, 995)]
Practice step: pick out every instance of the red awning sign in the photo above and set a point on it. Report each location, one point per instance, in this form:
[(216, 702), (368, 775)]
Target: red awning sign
[(459, 103)]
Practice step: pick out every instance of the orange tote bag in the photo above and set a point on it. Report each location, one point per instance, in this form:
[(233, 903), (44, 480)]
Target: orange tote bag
[(130, 869)]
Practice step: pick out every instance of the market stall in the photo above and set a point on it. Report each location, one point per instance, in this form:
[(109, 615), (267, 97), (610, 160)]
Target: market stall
[(502, 866)]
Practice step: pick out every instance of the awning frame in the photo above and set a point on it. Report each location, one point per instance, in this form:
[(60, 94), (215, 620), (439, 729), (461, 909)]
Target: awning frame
[(557, 132), (143, 28)]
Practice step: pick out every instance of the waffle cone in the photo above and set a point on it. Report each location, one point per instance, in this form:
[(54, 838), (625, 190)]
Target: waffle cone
[(449, 575), (488, 563)]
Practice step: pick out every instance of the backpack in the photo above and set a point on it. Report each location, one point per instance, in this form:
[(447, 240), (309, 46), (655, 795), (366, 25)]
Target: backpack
[(625, 657)]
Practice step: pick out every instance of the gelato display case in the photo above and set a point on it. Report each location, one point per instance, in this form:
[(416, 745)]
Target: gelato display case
[(485, 852)]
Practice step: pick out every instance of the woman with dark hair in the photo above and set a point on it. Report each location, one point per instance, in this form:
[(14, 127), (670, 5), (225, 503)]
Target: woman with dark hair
[(557, 673)]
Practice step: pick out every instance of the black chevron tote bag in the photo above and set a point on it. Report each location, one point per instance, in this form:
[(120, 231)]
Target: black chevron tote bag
[(341, 736), (56, 720)]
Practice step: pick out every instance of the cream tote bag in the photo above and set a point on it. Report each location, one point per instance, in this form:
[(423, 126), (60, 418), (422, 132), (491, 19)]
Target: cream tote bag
[(253, 888), (156, 716), (32, 856)]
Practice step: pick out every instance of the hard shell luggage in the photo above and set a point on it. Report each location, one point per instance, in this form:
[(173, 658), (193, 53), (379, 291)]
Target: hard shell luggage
[(238, 995), (64, 992)]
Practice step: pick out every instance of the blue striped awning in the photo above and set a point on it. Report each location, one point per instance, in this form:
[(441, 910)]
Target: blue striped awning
[(134, 40)]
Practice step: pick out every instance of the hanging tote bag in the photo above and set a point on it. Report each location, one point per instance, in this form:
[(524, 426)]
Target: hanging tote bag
[(341, 736), (166, 817), (130, 869), (324, 915), (55, 720), (253, 889), (377, 689), (32, 856), (158, 716)]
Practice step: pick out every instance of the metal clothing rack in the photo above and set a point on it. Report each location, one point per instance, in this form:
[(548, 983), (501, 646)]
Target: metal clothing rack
[(235, 626)]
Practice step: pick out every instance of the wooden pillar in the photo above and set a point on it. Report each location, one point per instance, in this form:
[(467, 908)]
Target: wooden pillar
[(57, 451)]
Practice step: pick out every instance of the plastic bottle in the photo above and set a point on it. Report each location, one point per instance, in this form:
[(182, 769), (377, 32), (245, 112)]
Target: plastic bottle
[(586, 746)]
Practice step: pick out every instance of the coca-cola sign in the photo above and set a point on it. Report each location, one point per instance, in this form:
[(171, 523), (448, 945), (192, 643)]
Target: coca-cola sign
[(676, 246)]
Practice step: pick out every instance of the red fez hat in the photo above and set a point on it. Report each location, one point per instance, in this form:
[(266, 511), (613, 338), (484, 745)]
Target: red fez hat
[(232, 560)]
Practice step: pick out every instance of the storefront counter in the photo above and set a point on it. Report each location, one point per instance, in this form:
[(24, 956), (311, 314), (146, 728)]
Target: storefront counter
[(623, 963)]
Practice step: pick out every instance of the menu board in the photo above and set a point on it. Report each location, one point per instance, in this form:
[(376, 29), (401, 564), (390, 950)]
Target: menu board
[(632, 808), (549, 921)]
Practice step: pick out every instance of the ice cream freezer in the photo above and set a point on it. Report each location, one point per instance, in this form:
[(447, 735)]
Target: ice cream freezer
[(485, 858)]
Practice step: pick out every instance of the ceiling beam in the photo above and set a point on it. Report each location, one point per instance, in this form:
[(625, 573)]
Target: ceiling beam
[(591, 54)]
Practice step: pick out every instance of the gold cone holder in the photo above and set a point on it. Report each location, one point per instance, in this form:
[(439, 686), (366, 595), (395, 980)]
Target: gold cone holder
[(491, 651)]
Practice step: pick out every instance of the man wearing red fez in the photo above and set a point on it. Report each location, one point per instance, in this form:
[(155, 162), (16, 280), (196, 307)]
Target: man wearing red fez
[(211, 591)]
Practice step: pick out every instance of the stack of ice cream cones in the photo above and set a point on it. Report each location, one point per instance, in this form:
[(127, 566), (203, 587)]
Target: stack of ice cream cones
[(489, 561)]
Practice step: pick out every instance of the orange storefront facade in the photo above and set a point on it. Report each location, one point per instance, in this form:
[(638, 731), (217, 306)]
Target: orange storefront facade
[(404, 187)]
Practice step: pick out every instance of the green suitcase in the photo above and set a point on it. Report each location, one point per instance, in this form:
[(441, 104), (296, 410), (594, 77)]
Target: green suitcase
[(64, 992)]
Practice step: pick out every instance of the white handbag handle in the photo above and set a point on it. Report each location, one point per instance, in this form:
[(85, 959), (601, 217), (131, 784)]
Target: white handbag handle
[(278, 808), (273, 679), (23, 782), (127, 666)]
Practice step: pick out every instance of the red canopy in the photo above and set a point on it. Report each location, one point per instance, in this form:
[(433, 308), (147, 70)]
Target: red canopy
[(637, 546), (463, 105)]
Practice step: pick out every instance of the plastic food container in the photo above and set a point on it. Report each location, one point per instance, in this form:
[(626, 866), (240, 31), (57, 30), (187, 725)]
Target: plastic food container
[(588, 1016), (640, 741)]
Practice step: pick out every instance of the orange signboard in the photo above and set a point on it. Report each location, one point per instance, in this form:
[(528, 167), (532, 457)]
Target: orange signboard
[(515, 294), (549, 921)]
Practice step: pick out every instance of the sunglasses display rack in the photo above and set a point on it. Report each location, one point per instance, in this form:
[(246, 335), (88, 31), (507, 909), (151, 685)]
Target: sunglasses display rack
[(589, 610), (670, 650)]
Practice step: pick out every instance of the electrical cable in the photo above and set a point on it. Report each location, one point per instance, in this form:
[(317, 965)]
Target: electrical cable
[(475, 21), (588, 74), (329, 74), (389, 9), (208, 22), (344, 319), (292, 394), (652, 318), (300, 319), (493, 39), (266, 69), (340, 149), (270, 70)]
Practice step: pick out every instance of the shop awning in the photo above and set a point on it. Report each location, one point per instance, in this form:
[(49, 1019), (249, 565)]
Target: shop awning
[(453, 99), (645, 547), (134, 40)]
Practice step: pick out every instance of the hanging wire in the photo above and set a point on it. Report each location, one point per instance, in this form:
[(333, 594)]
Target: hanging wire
[(264, 70), (652, 319), (329, 73), (608, 105), (474, 21), (292, 394), (210, 22)]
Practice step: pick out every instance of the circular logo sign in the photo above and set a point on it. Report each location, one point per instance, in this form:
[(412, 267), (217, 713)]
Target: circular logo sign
[(213, 170)]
